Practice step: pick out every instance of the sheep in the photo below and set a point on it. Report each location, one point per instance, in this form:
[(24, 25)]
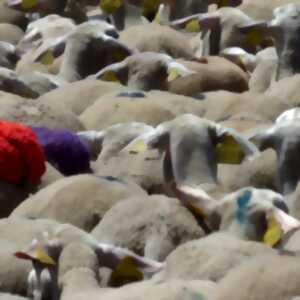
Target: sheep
[(9, 57), (283, 29), (245, 215), (51, 175), (286, 89), (70, 8), (32, 113), (71, 95), (224, 27), (78, 263), (262, 10), (145, 169), (11, 16), (51, 264), (149, 70), (55, 52), (193, 148), (6, 296), (151, 226), (11, 83), (163, 39), (10, 33), (51, 26), (17, 234), (248, 61), (261, 172), (178, 9), (221, 106), (258, 280), (112, 140), (282, 137), (103, 193), (145, 71), (210, 258), (41, 83), (88, 40), (216, 74), (108, 111)]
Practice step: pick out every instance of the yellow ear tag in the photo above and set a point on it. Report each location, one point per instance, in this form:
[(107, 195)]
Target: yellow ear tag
[(43, 257), (157, 19), (192, 26), (150, 6), (126, 271), (267, 42), (254, 37), (27, 4), (173, 74), (197, 210), (118, 55), (47, 58), (110, 76), (110, 6), (138, 147), (229, 151), (273, 233), (222, 3)]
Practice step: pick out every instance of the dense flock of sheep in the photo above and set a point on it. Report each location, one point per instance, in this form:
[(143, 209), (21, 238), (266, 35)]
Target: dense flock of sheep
[(149, 149)]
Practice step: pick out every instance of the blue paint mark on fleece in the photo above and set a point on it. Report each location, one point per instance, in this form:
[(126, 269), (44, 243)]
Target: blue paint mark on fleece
[(242, 203)]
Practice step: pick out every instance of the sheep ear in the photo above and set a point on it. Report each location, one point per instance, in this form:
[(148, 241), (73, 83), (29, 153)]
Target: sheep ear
[(273, 233), (109, 75), (190, 24), (162, 15), (118, 50), (126, 265), (115, 72), (201, 205), (209, 20), (39, 254), (279, 223), (157, 18), (197, 199), (145, 20), (222, 3), (111, 6), (254, 31), (22, 4), (28, 4), (150, 9), (142, 143), (232, 148), (47, 56), (262, 137), (228, 151), (43, 257), (176, 70), (139, 145), (198, 22), (126, 271)]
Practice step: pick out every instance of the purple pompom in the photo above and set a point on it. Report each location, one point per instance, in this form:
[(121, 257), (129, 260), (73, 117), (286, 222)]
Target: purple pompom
[(64, 150)]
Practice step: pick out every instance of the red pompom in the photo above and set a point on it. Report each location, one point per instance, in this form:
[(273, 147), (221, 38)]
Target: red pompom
[(21, 156)]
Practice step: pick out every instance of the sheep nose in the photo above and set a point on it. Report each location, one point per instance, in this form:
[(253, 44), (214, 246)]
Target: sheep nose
[(113, 33), (281, 205)]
